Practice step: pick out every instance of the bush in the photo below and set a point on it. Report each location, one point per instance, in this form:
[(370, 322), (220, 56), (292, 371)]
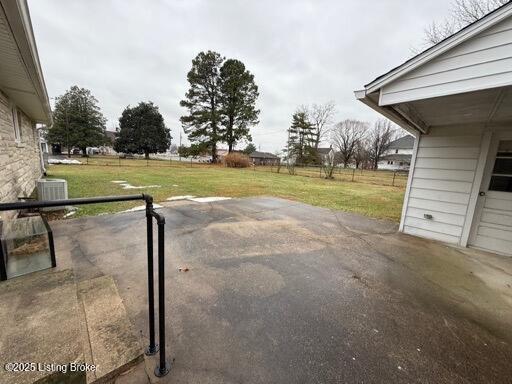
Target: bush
[(237, 160)]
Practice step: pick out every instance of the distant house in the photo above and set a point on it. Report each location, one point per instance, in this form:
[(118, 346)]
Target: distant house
[(221, 153), (264, 158), (23, 103), (107, 148), (399, 154), (324, 153)]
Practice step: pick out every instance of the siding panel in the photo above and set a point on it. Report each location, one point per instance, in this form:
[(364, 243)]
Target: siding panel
[(448, 197), (496, 245), (455, 164), (441, 217), (431, 235), (433, 226), (496, 218), (484, 61), (450, 152), (450, 141), (443, 174), (442, 185), (457, 209)]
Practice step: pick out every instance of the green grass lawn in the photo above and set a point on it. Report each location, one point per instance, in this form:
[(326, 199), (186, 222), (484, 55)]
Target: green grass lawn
[(206, 180)]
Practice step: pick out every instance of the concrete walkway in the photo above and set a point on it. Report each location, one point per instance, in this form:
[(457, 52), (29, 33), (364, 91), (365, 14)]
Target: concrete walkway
[(283, 292)]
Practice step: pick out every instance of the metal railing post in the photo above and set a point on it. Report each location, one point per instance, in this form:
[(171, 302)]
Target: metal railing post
[(163, 367), (152, 348)]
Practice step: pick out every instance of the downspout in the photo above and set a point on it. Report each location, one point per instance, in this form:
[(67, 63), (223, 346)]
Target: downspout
[(41, 158)]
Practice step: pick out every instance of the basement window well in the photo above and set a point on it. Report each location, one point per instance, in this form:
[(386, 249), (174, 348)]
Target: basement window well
[(26, 245)]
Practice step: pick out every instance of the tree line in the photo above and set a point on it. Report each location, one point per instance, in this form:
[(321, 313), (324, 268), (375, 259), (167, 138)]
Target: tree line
[(353, 142), (220, 104), (79, 123)]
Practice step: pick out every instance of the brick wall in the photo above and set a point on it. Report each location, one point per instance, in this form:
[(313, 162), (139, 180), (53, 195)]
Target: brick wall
[(20, 165)]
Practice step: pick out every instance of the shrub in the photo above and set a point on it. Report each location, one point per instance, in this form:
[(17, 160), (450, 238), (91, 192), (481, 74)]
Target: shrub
[(237, 160)]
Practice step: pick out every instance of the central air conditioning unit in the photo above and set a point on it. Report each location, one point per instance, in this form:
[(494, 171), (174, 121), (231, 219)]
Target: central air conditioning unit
[(52, 189)]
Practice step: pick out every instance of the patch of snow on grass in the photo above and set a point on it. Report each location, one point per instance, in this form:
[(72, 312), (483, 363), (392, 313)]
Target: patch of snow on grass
[(129, 186), (176, 198), (125, 185), (141, 208), (63, 161), (208, 199)]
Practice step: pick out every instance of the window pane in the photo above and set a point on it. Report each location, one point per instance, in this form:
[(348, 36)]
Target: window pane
[(501, 183), (503, 166)]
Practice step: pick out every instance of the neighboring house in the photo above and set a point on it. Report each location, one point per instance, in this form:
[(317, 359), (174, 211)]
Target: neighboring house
[(23, 103), (398, 156), (221, 153), (107, 148), (324, 154), (456, 99), (264, 158)]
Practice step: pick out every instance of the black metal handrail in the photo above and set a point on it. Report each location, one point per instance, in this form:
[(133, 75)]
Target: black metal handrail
[(163, 366)]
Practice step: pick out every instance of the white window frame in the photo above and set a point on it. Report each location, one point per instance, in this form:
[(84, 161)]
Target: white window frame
[(16, 125)]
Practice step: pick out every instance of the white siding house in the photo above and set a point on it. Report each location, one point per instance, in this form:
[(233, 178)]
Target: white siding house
[(398, 155), (456, 99)]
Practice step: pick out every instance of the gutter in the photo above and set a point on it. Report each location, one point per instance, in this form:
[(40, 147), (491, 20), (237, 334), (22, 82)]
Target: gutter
[(41, 158)]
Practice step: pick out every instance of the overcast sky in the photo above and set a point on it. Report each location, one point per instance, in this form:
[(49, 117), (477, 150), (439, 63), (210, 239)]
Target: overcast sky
[(300, 52)]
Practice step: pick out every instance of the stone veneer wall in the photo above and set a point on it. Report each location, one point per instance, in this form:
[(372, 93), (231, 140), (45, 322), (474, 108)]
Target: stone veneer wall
[(20, 165)]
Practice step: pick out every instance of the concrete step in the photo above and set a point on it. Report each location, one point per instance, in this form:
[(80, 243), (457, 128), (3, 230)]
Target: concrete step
[(39, 324), (109, 340)]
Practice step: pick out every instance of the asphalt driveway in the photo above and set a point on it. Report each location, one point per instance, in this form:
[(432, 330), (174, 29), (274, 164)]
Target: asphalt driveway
[(283, 292)]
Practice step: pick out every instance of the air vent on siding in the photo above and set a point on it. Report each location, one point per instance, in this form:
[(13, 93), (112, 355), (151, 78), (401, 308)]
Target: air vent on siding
[(52, 189)]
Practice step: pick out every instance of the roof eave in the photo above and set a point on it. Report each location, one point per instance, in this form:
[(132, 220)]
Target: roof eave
[(18, 16), (390, 113), (466, 33)]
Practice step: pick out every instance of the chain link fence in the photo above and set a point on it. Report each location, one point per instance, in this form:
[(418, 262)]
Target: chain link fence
[(397, 178)]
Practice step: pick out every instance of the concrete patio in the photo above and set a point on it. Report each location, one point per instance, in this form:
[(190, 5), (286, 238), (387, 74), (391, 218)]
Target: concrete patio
[(283, 292)]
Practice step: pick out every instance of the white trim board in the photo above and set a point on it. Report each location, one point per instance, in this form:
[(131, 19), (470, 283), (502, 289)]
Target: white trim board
[(412, 168), (477, 182)]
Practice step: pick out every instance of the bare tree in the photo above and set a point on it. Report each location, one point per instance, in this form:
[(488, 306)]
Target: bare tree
[(379, 138), (329, 165), (345, 135), (321, 115), (361, 154), (463, 12)]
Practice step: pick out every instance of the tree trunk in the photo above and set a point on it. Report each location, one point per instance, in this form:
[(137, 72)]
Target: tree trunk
[(69, 151), (230, 147), (214, 153), (146, 155)]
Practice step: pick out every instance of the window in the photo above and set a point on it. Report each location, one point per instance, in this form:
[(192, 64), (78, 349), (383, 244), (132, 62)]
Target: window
[(20, 125), (16, 122), (501, 179)]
